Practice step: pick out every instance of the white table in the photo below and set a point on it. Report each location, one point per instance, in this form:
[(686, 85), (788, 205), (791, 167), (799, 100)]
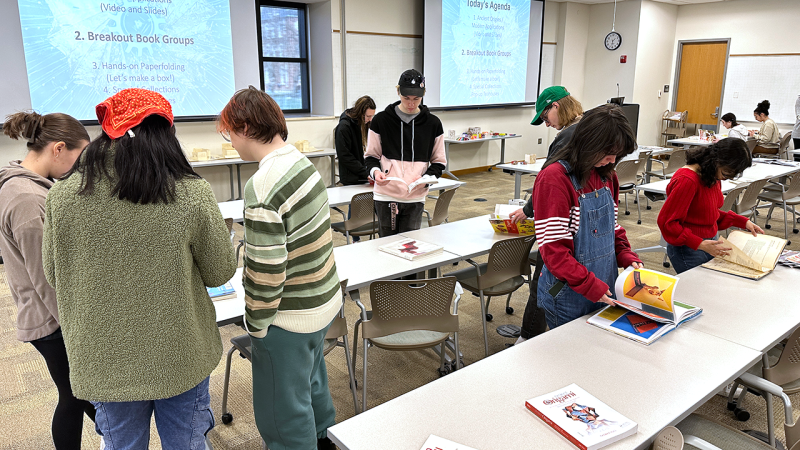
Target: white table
[(692, 141), (483, 404), (754, 314), (466, 238), (337, 196), (502, 140), (238, 162), (231, 310), (520, 169)]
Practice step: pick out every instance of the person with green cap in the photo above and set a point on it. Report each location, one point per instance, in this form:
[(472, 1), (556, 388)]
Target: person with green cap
[(556, 108)]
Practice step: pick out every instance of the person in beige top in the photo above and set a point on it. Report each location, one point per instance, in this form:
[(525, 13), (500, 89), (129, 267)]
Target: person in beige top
[(768, 136), (54, 142)]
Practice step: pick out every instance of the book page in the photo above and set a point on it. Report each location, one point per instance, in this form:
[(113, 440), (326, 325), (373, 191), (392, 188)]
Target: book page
[(646, 292), (763, 250), (629, 324), (721, 265)]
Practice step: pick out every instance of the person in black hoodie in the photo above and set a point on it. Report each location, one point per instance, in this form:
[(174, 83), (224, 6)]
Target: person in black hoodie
[(405, 143), (351, 139)]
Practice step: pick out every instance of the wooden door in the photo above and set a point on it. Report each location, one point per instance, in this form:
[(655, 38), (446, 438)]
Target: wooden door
[(700, 81)]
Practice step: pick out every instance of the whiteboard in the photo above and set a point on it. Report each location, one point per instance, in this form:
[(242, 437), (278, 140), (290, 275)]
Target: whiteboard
[(752, 79)]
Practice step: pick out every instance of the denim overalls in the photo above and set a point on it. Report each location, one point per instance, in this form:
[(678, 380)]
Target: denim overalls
[(594, 249)]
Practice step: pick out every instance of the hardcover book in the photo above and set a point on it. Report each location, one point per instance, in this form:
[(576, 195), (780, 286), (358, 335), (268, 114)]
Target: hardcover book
[(223, 292), (751, 256), (502, 223), (411, 249), (582, 419)]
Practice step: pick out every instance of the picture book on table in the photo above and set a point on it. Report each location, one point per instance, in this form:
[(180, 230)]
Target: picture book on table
[(411, 248), (790, 258), (584, 420), (502, 223), (645, 307), (223, 292), (437, 443), (750, 257)]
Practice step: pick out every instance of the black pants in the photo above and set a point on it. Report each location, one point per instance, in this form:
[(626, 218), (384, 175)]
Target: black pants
[(395, 217), (796, 143), (533, 323), (67, 424)]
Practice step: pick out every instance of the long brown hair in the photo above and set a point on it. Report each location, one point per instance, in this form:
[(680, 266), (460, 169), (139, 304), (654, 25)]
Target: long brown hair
[(41, 130), (602, 131), (357, 113)]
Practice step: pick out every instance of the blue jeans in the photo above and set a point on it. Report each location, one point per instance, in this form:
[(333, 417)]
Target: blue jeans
[(182, 421), (684, 258)]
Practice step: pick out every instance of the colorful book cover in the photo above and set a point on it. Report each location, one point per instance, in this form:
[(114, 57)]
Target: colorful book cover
[(411, 248), (581, 418), (219, 292), (630, 325)]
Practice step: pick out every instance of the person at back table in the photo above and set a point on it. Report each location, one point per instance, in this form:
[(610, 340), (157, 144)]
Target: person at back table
[(735, 129), (768, 136), (555, 108), (691, 216), (796, 129), (351, 140)]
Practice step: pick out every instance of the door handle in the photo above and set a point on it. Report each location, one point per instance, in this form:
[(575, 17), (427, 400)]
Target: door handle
[(715, 113)]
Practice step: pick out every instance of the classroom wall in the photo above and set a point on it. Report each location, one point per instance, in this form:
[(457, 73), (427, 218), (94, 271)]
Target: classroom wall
[(654, 56)]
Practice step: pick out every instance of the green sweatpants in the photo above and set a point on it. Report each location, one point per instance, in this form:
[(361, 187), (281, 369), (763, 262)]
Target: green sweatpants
[(291, 399)]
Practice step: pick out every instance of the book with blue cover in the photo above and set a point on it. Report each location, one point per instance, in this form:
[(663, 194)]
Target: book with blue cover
[(223, 292)]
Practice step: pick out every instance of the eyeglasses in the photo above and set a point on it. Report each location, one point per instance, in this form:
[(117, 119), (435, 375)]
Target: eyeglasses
[(546, 112), (226, 134)]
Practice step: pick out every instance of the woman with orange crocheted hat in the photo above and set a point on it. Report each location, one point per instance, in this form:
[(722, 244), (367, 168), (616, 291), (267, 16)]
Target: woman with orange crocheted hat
[(132, 238)]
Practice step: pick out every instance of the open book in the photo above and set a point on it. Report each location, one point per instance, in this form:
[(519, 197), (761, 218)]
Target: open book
[(411, 249), (645, 307), (426, 179), (502, 223), (581, 418), (223, 292), (752, 256)]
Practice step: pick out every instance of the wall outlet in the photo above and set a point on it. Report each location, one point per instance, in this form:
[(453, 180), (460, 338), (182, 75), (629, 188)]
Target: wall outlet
[(666, 88), (540, 140)]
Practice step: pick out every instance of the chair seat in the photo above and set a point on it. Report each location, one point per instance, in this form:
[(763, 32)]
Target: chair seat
[(363, 230), (329, 345), (469, 281), (243, 344), (774, 354), (717, 434), (410, 340), (627, 187), (775, 197)]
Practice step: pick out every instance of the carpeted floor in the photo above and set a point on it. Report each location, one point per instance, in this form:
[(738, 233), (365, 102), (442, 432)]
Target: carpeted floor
[(27, 395)]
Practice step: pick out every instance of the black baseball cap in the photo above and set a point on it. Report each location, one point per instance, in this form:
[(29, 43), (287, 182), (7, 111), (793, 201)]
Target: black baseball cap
[(411, 83)]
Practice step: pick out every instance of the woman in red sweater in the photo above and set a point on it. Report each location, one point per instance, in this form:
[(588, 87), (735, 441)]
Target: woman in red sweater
[(575, 200), (690, 217)]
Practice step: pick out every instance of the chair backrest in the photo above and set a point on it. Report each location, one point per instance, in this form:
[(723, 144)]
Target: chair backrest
[(732, 197), (787, 369), (677, 159), (749, 197), (362, 211), (626, 172), (751, 144), (334, 136), (793, 188), (507, 259), (644, 155), (408, 305), (442, 208), (670, 438), (783, 146)]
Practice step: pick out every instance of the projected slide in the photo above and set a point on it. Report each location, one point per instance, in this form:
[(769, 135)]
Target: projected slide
[(80, 52), (484, 51)]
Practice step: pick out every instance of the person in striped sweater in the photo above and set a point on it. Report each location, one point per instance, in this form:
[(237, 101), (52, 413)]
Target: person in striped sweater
[(575, 199), (292, 291)]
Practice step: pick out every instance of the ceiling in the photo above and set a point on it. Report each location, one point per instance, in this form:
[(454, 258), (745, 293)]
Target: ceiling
[(671, 2)]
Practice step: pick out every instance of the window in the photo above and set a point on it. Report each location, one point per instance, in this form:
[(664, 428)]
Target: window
[(283, 51)]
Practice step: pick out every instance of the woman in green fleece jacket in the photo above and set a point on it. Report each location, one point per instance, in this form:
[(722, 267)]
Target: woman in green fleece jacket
[(132, 238), (54, 142)]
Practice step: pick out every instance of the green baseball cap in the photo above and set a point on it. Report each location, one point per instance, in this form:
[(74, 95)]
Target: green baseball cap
[(548, 96)]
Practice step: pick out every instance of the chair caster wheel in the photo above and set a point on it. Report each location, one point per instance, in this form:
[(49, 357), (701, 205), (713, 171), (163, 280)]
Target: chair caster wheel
[(638, 222), (731, 406), (490, 169), (227, 418), (768, 226), (489, 317), (443, 372), (666, 264), (741, 415), (475, 294), (453, 365), (649, 207), (627, 213), (509, 310), (795, 230)]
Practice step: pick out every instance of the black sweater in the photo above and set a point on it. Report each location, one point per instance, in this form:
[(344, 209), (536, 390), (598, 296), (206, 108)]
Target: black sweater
[(350, 151)]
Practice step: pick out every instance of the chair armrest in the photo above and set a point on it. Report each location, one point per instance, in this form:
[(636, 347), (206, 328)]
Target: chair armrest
[(699, 443), (344, 216), (458, 291), (427, 214), (758, 383)]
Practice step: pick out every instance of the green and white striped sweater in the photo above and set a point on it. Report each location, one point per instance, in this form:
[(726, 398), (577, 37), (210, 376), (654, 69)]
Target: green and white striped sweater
[(290, 276)]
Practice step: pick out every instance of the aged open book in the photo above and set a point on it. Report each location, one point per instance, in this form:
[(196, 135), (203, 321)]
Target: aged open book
[(426, 179), (751, 256)]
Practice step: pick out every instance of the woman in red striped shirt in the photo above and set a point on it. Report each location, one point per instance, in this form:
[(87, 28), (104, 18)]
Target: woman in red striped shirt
[(691, 216)]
